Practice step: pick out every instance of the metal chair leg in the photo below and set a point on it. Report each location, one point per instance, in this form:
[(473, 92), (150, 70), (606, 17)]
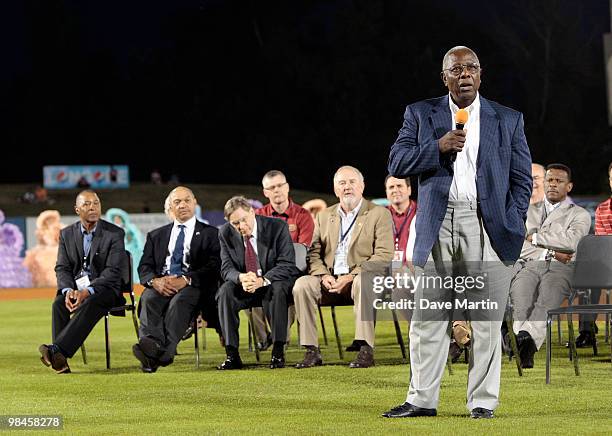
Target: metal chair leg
[(107, 341), (135, 324), (252, 329), (398, 334), (250, 336), (322, 326), (594, 336), (513, 343), (449, 364), (197, 347), (548, 347), (84, 353), (559, 333), (572, 344), (340, 351)]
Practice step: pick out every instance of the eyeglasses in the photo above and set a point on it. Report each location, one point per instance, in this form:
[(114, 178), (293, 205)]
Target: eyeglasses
[(275, 187), (456, 70)]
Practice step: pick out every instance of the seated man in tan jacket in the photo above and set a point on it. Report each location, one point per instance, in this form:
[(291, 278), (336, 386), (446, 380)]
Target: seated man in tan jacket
[(346, 235)]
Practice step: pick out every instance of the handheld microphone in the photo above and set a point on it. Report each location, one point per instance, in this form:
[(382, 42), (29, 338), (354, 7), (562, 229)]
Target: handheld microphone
[(461, 118)]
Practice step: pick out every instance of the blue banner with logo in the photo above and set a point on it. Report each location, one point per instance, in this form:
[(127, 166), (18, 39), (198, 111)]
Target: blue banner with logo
[(86, 176)]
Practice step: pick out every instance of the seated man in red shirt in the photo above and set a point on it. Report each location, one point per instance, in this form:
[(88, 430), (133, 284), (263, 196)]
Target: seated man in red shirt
[(301, 228)]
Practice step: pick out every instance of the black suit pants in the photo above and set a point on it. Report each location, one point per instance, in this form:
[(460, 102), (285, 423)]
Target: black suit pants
[(165, 319), (275, 299), (70, 333)]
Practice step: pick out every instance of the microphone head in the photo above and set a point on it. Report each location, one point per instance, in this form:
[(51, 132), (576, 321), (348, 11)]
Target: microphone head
[(461, 117)]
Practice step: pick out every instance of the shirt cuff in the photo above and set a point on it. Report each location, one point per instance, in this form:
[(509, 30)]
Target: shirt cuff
[(266, 282), (65, 290), (534, 239), (91, 290)]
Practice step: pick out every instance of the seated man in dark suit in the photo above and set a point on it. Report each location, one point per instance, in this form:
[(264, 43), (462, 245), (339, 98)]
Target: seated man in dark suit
[(258, 267), (180, 264), (89, 265)]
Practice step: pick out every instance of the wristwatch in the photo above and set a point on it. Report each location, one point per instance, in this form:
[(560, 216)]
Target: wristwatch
[(150, 282)]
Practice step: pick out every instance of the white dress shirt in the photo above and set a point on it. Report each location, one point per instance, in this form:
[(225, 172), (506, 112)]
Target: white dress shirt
[(189, 229), (341, 256), (463, 187)]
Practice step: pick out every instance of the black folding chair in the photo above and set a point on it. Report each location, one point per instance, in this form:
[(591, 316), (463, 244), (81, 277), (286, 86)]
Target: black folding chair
[(592, 269), (127, 287)]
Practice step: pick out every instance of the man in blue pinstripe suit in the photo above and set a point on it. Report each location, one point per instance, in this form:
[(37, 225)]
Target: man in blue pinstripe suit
[(474, 190)]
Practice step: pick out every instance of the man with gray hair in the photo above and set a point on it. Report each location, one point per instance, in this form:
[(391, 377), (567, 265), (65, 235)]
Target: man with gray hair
[(258, 268), (346, 235), (474, 170)]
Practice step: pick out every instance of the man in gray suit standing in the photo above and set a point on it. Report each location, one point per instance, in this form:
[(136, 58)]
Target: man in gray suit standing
[(543, 281)]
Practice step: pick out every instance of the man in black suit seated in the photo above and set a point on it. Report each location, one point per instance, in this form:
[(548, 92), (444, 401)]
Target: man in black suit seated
[(89, 265), (258, 267), (180, 264)]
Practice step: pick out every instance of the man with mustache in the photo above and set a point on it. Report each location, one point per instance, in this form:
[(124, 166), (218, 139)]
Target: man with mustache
[(346, 235), (90, 261), (554, 228), (474, 190)]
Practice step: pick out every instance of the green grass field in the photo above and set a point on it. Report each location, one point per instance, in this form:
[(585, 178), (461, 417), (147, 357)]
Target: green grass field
[(329, 399)]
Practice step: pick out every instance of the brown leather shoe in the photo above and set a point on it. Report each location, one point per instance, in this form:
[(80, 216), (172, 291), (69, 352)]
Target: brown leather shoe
[(311, 358), (55, 360), (364, 359)]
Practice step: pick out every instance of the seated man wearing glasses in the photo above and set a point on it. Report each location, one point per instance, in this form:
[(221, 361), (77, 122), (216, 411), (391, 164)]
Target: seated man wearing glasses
[(554, 228), (301, 227), (346, 235)]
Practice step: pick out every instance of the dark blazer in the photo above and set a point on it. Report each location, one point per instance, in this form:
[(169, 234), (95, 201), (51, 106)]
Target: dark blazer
[(204, 261), (274, 251), (107, 257), (503, 174)]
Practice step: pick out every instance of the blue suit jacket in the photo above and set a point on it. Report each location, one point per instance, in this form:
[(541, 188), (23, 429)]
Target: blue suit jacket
[(503, 174)]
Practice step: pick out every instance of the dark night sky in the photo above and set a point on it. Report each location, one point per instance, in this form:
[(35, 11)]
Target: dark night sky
[(221, 91)]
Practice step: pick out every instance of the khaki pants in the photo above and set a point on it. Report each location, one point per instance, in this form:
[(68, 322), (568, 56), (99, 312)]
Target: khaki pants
[(307, 293)]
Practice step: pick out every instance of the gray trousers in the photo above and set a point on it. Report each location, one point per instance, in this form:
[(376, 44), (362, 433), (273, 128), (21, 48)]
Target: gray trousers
[(537, 288), (165, 319), (462, 249)]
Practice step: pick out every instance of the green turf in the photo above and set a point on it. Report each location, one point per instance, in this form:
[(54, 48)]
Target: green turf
[(329, 399)]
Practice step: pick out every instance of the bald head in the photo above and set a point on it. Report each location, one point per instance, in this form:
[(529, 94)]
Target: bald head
[(182, 203)]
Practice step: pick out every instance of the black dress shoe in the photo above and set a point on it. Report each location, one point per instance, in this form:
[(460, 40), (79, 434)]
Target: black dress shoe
[(277, 362), (585, 339), (150, 347), (356, 345), (54, 359), (147, 364), (408, 410), (230, 362), (365, 358), (481, 412), (527, 348), (311, 358)]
